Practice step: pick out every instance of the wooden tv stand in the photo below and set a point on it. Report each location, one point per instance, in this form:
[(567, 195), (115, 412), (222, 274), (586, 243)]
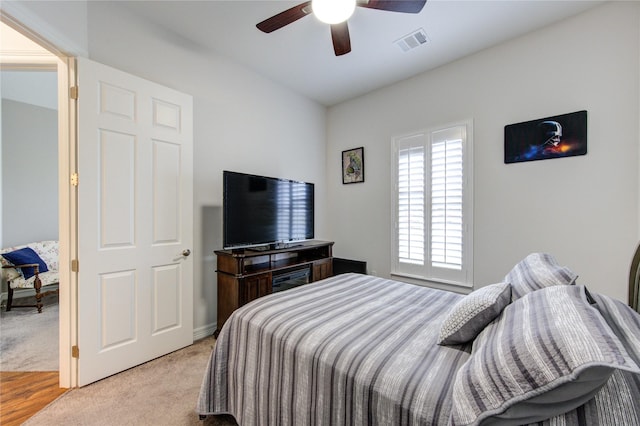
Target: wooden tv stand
[(246, 274)]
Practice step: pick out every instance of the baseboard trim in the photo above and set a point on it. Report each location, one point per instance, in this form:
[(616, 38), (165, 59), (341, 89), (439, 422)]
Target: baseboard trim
[(204, 331)]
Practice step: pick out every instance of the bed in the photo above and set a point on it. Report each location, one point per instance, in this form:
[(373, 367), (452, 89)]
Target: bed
[(361, 350)]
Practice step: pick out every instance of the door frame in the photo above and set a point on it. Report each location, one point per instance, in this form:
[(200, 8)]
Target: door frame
[(67, 208)]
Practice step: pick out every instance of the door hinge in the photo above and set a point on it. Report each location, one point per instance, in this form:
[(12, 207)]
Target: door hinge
[(74, 179), (75, 351), (73, 92), (75, 265)]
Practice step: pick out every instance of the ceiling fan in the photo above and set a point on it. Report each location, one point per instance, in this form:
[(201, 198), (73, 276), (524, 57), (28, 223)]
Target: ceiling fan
[(339, 28)]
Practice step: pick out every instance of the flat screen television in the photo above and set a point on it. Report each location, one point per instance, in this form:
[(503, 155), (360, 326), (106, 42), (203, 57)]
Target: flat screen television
[(260, 210)]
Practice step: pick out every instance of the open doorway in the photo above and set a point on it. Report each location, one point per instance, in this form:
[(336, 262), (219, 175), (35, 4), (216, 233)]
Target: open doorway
[(28, 182), (29, 212), (25, 58)]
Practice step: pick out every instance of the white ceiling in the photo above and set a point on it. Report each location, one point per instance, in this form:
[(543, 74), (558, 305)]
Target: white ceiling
[(28, 72), (301, 56), (17, 51)]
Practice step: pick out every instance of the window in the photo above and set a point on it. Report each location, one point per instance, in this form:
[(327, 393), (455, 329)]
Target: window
[(433, 205)]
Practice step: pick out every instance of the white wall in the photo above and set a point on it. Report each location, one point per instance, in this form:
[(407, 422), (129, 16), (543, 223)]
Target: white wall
[(29, 128), (30, 87), (29, 171), (583, 210), (242, 122)]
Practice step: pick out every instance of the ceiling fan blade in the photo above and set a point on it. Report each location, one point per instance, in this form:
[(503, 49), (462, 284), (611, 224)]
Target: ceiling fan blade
[(404, 6), (285, 18), (341, 39)]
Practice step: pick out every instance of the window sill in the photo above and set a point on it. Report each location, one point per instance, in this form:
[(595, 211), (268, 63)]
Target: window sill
[(440, 284)]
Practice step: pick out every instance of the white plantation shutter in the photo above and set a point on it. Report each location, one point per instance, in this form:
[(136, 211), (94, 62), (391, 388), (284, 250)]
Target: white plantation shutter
[(433, 205), (447, 198), (411, 196)]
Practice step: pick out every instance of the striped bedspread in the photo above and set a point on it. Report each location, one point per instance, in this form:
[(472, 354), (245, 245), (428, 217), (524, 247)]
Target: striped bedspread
[(349, 350)]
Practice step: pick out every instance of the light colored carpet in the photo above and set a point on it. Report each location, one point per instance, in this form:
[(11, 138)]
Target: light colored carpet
[(29, 340), (161, 392)]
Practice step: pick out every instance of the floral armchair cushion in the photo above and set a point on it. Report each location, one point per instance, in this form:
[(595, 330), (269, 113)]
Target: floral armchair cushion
[(48, 252)]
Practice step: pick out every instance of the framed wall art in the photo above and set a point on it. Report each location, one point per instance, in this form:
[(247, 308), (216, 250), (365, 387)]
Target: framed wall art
[(551, 137), (353, 165)]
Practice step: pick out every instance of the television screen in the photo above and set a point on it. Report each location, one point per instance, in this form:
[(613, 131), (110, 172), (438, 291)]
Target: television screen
[(259, 210)]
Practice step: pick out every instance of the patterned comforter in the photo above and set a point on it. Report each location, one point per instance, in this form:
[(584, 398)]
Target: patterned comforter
[(361, 350), (352, 349)]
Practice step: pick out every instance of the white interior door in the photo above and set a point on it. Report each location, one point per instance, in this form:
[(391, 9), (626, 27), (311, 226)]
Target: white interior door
[(135, 221)]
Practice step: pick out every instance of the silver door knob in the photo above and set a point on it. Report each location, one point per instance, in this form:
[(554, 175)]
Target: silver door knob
[(186, 252)]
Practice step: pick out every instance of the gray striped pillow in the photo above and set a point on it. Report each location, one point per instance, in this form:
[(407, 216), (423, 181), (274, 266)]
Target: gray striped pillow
[(470, 315), (536, 271), (549, 353)]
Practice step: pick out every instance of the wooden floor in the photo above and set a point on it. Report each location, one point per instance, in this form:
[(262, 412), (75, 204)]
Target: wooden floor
[(23, 394)]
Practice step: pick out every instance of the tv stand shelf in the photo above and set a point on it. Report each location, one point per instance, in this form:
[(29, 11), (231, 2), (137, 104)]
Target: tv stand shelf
[(245, 275)]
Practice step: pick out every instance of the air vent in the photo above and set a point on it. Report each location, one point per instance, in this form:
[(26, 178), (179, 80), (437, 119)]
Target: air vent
[(413, 40)]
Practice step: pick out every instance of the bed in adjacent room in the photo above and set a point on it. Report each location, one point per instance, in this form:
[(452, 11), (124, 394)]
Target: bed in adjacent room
[(362, 350)]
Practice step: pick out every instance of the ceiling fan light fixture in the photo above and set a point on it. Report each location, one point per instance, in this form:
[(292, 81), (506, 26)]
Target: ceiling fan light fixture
[(333, 11)]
